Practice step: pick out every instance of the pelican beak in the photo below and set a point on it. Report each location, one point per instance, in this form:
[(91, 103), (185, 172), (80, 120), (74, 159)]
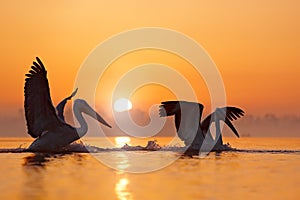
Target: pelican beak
[(101, 120), (91, 112), (227, 121)]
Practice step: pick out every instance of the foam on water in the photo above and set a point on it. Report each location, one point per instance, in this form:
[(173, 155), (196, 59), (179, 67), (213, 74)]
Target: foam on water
[(151, 146)]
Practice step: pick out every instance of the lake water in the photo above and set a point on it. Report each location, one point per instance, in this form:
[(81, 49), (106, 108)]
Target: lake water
[(154, 175)]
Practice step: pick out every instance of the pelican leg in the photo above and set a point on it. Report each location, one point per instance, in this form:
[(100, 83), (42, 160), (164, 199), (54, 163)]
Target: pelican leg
[(219, 143), (195, 146)]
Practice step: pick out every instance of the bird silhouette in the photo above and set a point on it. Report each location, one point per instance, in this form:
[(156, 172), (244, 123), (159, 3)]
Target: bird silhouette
[(188, 123), (49, 128)]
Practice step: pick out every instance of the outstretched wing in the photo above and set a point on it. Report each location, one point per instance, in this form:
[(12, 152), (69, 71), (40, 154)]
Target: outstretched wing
[(39, 111), (227, 114), (169, 108), (61, 106), (187, 117)]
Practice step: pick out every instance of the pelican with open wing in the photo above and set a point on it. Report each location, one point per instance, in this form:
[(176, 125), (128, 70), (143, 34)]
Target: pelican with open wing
[(188, 123), (43, 122)]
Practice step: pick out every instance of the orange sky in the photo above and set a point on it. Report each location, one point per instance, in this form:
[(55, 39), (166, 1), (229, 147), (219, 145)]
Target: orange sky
[(255, 45)]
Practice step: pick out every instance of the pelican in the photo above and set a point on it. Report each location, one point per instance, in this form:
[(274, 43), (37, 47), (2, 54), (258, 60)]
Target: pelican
[(188, 123), (49, 128)]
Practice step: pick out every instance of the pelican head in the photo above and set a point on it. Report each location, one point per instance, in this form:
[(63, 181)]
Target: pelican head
[(83, 106)]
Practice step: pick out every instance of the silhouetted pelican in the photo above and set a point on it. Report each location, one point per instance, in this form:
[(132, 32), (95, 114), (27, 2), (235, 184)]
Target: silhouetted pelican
[(188, 123), (48, 127)]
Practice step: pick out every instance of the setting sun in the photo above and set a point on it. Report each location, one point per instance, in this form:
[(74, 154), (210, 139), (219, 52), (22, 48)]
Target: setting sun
[(121, 141), (122, 104)]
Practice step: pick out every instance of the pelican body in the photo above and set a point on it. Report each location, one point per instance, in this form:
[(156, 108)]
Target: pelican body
[(188, 123), (49, 128)]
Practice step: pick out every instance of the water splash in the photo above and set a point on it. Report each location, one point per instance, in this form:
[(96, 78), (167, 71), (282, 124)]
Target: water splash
[(152, 145)]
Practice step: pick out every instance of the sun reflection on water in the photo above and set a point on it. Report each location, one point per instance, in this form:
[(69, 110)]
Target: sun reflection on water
[(121, 189), (123, 162)]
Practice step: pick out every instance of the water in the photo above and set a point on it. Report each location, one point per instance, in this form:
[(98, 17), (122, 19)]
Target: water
[(227, 175)]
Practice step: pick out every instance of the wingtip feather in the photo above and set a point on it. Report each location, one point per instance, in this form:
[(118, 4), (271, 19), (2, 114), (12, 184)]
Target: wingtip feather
[(40, 63)]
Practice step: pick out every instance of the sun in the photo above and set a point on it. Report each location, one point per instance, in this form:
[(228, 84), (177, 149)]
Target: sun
[(121, 141), (122, 105)]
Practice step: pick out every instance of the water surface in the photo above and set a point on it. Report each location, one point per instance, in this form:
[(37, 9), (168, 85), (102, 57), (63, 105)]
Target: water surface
[(227, 175)]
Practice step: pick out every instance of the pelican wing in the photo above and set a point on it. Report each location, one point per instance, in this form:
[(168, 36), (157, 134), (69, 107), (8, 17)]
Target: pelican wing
[(169, 108), (39, 111), (187, 117), (61, 106), (227, 114)]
